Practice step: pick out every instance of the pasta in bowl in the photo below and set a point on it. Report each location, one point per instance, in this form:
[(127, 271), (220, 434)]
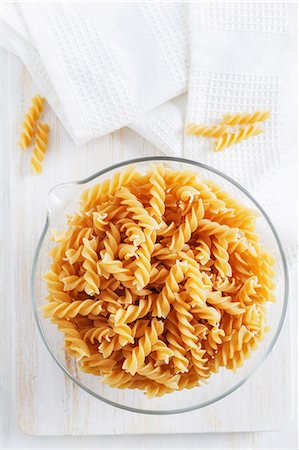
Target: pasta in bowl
[(160, 276)]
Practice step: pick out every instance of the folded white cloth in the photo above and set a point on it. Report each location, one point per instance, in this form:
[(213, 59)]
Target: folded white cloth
[(242, 58), (105, 65), (101, 65)]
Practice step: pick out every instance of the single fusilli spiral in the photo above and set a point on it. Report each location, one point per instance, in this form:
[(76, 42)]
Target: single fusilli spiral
[(159, 375), (71, 310), (143, 259), (90, 256), (163, 352), (134, 312), (221, 257), (233, 307), (212, 131), (175, 343), (184, 318), (72, 282), (30, 120), (186, 229), (56, 287), (200, 363), (171, 286), (111, 241), (157, 190), (194, 285), (137, 357), (74, 344), (41, 143), (229, 139), (97, 364), (245, 118)]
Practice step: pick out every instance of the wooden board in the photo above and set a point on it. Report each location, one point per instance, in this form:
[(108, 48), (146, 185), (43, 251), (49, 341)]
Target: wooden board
[(48, 403)]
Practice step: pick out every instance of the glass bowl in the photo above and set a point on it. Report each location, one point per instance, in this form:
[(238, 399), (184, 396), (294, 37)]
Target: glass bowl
[(64, 199)]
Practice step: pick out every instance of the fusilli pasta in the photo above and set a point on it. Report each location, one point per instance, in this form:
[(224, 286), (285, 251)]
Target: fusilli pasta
[(158, 281), (30, 120)]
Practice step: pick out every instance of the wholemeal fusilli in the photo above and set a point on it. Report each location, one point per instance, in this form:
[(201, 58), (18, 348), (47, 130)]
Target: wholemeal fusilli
[(41, 143), (245, 118)]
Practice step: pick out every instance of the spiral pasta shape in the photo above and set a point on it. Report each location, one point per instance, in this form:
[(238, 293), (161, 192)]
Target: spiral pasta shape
[(29, 123), (211, 131), (163, 352), (188, 227), (56, 287), (229, 139), (194, 285), (159, 375), (90, 265), (175, 343), (226, 303), (111, 241), (97, 364), (135, 207), (74, 344), (210, 228), (184, 318), (72, 282), (99, 193), (245, 118), (71, 310), (137, 357), (134, 312), (41, 143), (208, 313), (157, 191), (167, 295), (235, 344), (221, 256), (158, 281), (200, 365), (143, 259), (116, 268), (203, 252), (99, 334)]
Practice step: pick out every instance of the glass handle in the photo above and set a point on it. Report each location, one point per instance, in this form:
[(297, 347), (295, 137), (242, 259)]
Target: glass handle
[(61, 198)]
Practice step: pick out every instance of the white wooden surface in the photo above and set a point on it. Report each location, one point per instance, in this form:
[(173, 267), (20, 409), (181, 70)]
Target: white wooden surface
[(34, 392)]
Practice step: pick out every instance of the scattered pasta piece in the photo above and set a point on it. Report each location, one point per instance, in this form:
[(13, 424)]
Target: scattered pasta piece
[(41, 143), (226, 137), (214, 131), (229, 139), (159, 281), (245, 118), (30, 120)]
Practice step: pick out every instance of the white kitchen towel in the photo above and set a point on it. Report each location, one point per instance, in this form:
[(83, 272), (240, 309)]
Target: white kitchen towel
[(242, 58), (101, 65)]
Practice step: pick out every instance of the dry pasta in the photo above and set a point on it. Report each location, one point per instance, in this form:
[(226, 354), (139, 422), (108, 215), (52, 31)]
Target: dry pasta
[(214, 131), (159, 281), (245, 118), (228, 139), (244, 125), (29, 122), (41, 143)]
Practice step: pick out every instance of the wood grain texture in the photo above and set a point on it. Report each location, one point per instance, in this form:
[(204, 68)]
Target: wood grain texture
[(48, 403)]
